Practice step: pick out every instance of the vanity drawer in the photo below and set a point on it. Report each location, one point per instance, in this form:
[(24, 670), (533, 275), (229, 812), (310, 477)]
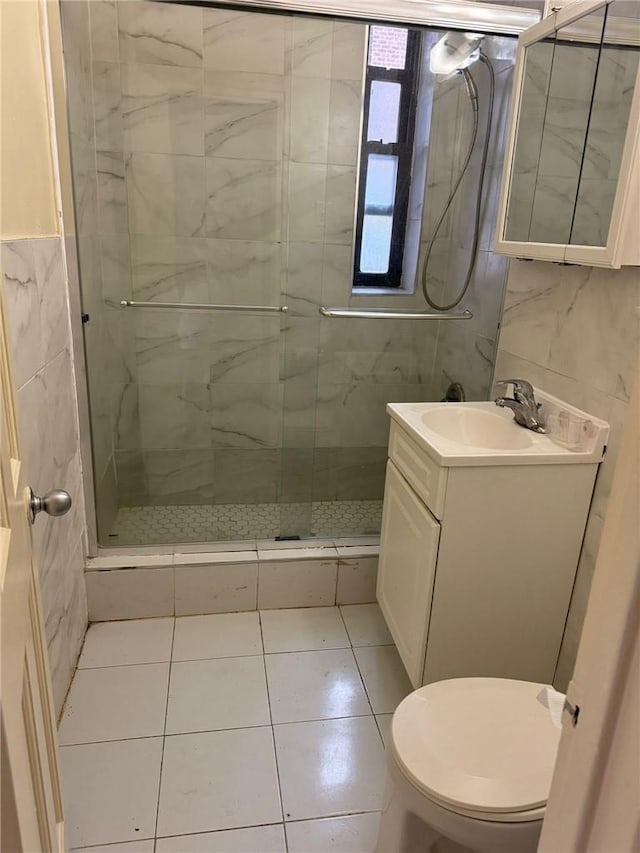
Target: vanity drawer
[(426, 477)]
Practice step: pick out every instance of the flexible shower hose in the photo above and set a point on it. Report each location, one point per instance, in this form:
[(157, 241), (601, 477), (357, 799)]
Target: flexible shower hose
[(473, 97)]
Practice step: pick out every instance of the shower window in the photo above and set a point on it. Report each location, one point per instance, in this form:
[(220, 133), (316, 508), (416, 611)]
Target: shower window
[(386, 153)]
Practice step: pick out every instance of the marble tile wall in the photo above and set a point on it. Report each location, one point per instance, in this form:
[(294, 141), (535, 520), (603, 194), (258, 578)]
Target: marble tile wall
[(34, 288), (226, 169), (465, 350), (102, 238), (226, 149), (575, 332)]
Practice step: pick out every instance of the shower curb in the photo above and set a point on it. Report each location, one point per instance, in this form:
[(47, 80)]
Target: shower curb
[(139, 586)]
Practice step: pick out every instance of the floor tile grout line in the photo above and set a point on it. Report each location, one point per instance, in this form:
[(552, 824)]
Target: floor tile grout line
[(164, 734), (226, 729), (164, 737), (231, 657), (362, 680), (282, 823), (123, 665), (100, 846), (273, 737)]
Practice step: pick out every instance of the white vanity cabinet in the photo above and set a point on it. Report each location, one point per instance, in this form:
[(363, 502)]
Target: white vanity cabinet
[(478, 557)]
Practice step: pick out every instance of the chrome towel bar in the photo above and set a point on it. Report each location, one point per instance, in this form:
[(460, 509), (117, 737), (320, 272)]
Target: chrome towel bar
[(393, 315), (205, 306)]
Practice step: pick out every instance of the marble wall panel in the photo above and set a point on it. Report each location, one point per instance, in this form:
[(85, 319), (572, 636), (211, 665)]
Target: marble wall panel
[(244, 272), (85, 186), (246, 114), (463, 357), (575, 332), (243, 199), (340, 200), (310, 100), (107, 105), (66, 623), (104, 31), (162, 109), (166, 194), (246, 415), (306, 202), (172, 347), (353, 415), (595, 340), (131, 478), (34, 286), (115, 254), (348, 54), (160, 33), (299, 371), (113, 212), (247, 476), (337, 272), (22, 303), (310, 50), (75, 18), (344, 122), (174, 416), (305, 266), (248, 127), (296, 474), (244, 41), (246, 350), (354, 473), (299, 411), (169, 269)]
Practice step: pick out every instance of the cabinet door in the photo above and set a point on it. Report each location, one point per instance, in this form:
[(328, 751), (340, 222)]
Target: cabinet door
[(408, 553), (571, 171)]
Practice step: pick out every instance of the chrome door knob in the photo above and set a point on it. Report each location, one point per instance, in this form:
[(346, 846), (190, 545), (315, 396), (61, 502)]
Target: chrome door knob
[(56, 502)]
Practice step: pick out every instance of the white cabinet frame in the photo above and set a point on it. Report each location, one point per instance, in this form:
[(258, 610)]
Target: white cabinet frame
[(623, 240)]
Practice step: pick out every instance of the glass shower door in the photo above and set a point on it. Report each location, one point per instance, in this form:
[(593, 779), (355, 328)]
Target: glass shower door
[(220, 167)]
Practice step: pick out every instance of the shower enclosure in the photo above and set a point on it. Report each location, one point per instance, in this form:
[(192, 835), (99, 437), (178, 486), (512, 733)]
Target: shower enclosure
[(217, 166)]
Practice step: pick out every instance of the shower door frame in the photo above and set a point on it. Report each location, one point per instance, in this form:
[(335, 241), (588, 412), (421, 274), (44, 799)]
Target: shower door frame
[(492, 19)]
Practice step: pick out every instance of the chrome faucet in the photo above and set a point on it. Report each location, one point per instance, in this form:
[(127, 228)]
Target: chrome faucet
[(523, 404)]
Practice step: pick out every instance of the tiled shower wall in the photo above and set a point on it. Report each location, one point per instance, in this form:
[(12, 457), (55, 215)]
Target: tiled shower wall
[(465, 351), (109, 367), (224, 171)]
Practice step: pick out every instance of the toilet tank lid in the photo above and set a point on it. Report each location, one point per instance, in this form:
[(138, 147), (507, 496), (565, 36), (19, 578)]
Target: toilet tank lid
[(479, 744)]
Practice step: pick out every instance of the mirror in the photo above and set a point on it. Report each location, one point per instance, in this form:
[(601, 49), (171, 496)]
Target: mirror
[(577, 88), (610, 108)]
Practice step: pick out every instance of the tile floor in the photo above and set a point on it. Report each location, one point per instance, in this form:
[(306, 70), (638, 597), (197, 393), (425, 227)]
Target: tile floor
[(152, 525), (233, 733)]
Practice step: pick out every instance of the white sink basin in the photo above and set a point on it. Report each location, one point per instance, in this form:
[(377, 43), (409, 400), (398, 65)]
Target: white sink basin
[(455, 434), (477, 428)]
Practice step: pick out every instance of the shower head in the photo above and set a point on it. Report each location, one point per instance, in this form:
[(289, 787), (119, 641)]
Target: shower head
[(454, 52)]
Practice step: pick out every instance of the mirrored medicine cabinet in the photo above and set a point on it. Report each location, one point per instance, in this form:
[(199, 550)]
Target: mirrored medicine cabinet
[(571, 182)]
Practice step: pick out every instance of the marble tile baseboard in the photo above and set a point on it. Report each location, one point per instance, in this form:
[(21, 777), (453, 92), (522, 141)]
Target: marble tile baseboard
[(218, 586)]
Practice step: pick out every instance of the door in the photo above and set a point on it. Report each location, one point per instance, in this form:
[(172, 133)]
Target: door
[(593, 803), (31, 798), (408, 554)]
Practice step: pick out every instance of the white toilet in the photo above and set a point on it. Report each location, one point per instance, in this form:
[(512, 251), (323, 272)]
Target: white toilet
[(470, 762)]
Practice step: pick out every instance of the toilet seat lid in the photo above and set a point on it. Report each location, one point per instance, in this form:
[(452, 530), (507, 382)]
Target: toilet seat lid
[(479, 744)]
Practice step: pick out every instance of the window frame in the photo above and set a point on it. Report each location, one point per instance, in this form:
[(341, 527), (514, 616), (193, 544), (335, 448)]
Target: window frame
[(409, 79)]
